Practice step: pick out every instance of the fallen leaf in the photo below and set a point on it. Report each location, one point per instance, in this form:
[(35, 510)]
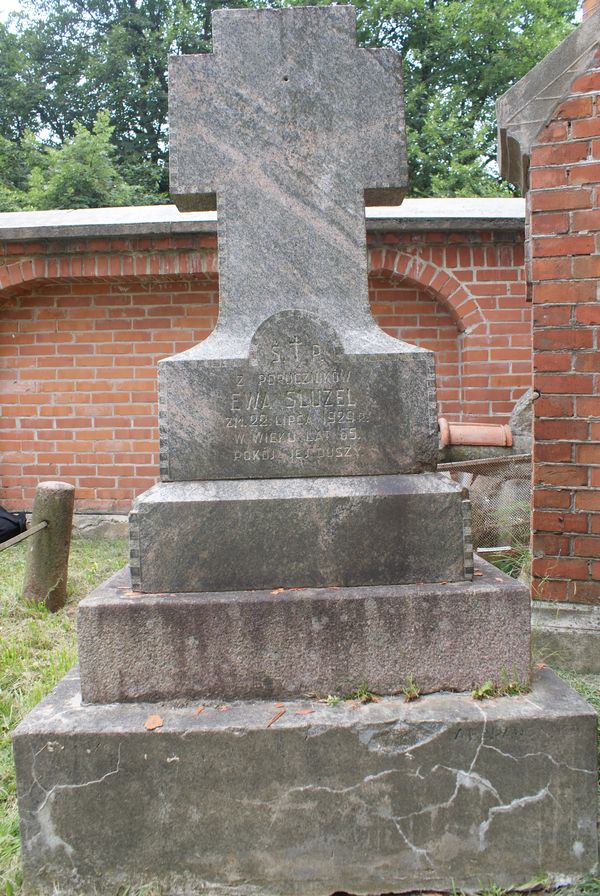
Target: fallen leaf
[(498, 578), (198, 711), (277, 715), (303, 712), (153, 722), (222, 708), (443, 583), (277, 590), (540, 665), (477, 573)]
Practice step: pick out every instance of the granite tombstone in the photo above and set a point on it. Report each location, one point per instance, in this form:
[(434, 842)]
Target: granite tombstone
[(289, 130), (300, 543), (288, 127)]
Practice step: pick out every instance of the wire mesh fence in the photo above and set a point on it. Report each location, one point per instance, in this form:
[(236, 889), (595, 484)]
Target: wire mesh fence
[(500, 490)]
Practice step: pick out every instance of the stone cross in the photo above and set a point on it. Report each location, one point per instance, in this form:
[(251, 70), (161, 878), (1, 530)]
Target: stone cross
[(288, 127)]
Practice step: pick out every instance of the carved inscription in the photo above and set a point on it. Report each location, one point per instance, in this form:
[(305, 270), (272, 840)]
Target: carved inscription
[(297, 404), (298, 401)]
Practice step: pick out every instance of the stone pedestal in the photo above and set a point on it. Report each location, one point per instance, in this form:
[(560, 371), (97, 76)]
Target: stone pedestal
[(445, 793), (293, 642), (308, 532)]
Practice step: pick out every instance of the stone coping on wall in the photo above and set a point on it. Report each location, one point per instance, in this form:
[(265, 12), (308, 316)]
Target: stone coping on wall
[(412, 215), (528, 105)]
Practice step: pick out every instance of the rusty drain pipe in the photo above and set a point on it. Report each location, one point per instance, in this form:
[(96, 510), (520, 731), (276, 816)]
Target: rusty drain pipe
[(497, 434)]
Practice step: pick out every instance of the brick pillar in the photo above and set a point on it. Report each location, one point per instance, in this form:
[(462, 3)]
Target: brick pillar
[(564, 239)]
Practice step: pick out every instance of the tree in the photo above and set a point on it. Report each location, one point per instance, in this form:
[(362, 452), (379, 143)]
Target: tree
[(459, 57), (81, 173), (20, 92), (94, 55), (68, 60)]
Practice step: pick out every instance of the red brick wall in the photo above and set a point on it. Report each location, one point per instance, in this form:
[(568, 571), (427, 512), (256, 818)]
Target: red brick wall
[(564, 204), (83, 324)]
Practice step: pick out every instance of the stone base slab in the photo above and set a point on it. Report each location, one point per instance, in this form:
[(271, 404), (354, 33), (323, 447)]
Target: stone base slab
[(262, 644), (567, 635), (305, 799), (309, 533)]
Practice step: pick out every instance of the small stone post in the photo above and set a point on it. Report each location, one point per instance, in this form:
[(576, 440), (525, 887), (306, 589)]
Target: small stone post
[(48, 558)]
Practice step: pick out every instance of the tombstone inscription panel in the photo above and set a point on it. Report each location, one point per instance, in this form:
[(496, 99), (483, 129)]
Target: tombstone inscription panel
[(298, 406)]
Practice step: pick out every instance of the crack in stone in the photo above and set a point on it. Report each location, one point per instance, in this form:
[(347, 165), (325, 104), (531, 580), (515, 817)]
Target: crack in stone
[(47, 832), (418, 851), (537, 755), (517, 803), (369, 738)]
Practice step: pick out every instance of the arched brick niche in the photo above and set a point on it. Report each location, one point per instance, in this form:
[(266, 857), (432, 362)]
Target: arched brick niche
[(473, 313), (78, 381), (407, 311), (83, 324)]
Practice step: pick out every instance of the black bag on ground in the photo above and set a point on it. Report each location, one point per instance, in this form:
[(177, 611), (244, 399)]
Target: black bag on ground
[(11, 524)]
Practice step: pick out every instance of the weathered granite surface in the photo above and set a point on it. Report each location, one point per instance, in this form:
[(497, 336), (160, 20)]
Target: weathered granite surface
[(290, 128), (442, 794), (276, 644), (312, 532), (299, 405)]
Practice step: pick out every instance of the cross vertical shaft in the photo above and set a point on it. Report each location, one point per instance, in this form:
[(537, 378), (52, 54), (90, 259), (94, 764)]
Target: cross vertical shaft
[(287, 129)]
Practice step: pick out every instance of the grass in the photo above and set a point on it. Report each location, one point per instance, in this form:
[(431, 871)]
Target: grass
[(37, 648), (515, 562), (589, 688)]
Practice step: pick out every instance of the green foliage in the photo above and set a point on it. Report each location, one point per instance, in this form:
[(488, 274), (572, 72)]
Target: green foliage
[(20, 91), (516, 562), (65, 61), (16, 163), (363, 694), (80, 173), (333, 700), (459, 57), (508, 686), (95, 55), (484, 691), (411, 690)]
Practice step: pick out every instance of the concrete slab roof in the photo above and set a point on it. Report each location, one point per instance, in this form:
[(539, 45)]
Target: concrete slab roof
[(149, 220), (527, 107)]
